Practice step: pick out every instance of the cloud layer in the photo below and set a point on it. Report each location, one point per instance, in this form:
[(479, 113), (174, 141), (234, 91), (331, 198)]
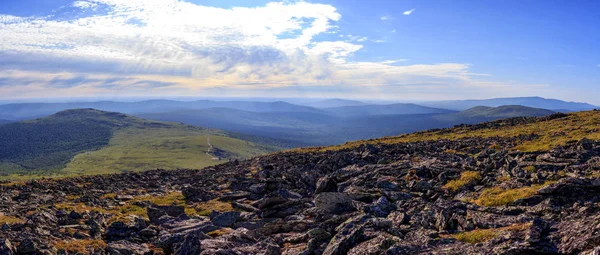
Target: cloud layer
[(175, 48)]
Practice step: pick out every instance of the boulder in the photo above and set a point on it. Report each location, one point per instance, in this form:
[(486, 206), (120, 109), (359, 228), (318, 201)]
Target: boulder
[(333, 202), (126, 248)]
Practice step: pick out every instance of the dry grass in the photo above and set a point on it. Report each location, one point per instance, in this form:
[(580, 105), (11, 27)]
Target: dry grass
[(80, 246), (484, 235), (205, 208), (109, 196), (496, 196), (530, 169), (466, 178), (219, 232), (10, 220)]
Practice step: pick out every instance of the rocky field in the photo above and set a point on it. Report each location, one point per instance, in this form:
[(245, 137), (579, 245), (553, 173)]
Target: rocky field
[(470, 195)]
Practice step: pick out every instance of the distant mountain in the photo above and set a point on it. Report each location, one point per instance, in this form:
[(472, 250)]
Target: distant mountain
[(308, 128), (24, 111), (484, 113), (535, 102), (390, 109), (298, 128), (88, 141), (5, 122), (329, 103)]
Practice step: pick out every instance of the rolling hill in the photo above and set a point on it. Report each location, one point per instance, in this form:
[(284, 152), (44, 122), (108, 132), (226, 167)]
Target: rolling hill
[(88, 141), (535, 102)]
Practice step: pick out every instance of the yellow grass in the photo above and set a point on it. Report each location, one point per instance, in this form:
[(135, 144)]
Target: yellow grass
[(80, 246), (484, 235), (496, 196), (466, 178)]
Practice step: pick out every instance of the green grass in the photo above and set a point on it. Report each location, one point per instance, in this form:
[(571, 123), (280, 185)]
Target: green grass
[(134, 149)]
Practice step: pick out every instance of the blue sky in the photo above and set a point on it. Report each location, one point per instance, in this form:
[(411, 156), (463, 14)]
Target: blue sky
[(393, 50)]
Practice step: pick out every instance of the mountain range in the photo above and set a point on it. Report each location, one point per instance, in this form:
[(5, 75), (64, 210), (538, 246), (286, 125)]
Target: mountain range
[(335, 107), (535, 102), (339, 124)]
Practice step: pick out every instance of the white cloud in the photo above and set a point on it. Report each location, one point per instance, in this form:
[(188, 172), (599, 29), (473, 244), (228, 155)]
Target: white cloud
[(386, 17), (84, 4), (170, 47), (408, 12)]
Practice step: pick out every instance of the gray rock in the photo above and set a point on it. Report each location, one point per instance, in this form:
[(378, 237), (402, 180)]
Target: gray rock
[(6, 247), (333, 202), (226, 219), (126, 248)]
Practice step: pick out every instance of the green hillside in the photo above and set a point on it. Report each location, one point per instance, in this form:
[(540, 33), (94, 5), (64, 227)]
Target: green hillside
[(87, 141)]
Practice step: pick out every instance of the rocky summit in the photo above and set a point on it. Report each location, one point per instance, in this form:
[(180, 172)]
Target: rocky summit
[(461, 195)]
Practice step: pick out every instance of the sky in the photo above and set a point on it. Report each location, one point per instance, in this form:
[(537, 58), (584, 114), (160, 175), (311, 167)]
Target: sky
[(399, 50)]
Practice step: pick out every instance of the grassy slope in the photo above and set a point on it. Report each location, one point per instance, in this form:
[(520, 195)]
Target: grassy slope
[(551, 133), (88, 141), (133, 149)]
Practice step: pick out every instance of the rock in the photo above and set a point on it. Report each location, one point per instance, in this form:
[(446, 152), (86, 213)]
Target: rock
[(156, 213), (124, 197), (28, 246), (6, 247), (197, 194), (326, 184), (226, 219), (126, 248), (75, 215), (333, 202), (348, 234), (191, 244)]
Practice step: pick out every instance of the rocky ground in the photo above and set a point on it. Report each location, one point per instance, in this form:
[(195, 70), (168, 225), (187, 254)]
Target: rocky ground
[(468, 196)]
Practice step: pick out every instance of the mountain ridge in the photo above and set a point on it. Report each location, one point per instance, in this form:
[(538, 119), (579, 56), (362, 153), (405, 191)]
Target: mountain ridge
[(535, 102)]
